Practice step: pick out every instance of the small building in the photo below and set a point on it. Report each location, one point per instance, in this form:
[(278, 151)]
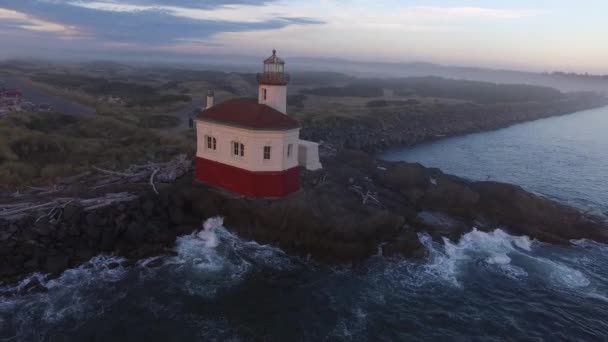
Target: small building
[(10, 94), (252, 147)]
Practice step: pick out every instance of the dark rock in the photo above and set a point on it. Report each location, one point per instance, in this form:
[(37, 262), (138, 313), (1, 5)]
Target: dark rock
[(71, 213), (185, 230), (156, 263), (12, 228), (327, 219), (85, 254), (34, 286), (73, 231), (56, 264), (4, 236), (535, 216), (176, 215), (452, 195), (96, 219), (440, 225), (135, 232), (108, 239), (31, 264), (94, 232), (406, 244), (8, 269), (113, 265), (43, 228), (5, 249)]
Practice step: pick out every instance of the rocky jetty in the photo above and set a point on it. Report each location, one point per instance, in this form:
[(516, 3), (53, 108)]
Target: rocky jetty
[(386, 128), (355, 208)]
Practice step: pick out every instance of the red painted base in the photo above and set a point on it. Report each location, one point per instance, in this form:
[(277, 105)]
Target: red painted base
[(248, 183)]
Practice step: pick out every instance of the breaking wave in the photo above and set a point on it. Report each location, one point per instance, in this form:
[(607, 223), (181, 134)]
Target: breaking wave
[(514, 257), (204, 262), (217, 286)]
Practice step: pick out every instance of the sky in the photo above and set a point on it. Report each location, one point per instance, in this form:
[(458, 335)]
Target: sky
[(534, 35)]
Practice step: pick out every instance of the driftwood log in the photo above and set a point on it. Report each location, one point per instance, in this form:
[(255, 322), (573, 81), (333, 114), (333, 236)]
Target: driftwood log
[(49, 202)]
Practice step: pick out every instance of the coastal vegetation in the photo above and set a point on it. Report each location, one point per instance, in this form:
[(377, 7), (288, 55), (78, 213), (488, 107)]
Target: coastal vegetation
[(134, 93), (142, 113), (40, 148)]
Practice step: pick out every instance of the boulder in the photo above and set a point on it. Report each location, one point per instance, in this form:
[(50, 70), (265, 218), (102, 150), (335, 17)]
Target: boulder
[(56, 264), (71, 213), (406, 244)]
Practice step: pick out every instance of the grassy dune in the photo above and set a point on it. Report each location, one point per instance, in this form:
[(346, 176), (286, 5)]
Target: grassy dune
[(40, 148)]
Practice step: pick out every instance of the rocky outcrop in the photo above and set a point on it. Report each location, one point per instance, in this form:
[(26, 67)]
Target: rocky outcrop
[(355, 208)]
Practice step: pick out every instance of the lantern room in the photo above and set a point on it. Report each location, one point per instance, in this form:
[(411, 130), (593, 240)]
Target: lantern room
[(274, 71)]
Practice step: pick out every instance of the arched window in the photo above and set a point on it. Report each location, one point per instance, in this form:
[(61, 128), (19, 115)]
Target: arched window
[(211, 142), (238, 149)]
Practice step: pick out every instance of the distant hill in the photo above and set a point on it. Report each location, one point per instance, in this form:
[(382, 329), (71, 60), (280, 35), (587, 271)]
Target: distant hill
[(250, 64)]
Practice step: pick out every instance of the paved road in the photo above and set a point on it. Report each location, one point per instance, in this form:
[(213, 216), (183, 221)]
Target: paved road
[(39, 97)]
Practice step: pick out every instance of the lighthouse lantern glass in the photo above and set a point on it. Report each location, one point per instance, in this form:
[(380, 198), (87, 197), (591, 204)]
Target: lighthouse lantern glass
[(273, 68)]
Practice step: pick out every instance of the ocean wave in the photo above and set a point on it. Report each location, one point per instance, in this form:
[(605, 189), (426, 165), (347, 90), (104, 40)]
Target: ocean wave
[(66, 298), (205, 262), (493, 249)]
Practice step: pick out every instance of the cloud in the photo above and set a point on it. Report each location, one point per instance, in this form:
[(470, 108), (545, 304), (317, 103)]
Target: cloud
[(202, 4), (150, 22), (13, 20)]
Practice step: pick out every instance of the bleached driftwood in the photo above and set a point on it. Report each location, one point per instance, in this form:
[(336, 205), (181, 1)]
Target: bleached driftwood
[(54, 208), (152, 180), (367, 197), (153, 172), (49, 202)]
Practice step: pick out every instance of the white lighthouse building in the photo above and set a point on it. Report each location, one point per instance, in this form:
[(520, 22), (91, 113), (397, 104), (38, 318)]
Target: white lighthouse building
[(252, 147)]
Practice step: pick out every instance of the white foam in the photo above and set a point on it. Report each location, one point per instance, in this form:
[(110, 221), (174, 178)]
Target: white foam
[(208, 233), (561, 274), (500, 259), (492, 248), (599, 296), (495, 250)]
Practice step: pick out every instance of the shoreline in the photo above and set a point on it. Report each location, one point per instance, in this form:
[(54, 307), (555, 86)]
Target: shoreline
[(328, 219), (481, 131), (338, 226), (375, 136)]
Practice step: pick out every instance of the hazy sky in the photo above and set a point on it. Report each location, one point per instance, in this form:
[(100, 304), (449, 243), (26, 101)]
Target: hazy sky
[(543, 35)]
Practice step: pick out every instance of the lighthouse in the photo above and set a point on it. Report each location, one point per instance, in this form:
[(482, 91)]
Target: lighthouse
[(252, 147), (272, 83)]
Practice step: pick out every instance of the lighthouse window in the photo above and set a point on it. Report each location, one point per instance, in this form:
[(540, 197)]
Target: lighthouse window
[(238, 149), (266, 152), (289, 150), (264, 93), (211, 143)]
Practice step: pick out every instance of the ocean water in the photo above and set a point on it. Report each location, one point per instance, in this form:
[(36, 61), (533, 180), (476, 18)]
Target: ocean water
[(565, 158), (486, 287)]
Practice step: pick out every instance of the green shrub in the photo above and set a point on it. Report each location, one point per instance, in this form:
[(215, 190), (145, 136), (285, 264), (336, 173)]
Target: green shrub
[(41, 155)]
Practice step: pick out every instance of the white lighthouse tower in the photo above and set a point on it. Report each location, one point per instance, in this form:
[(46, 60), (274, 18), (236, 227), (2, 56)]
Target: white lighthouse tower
[(272, 89)]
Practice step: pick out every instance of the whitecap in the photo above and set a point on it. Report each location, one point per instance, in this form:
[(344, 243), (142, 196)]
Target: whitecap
[(499, 258), (565, 275), (494, 249)]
